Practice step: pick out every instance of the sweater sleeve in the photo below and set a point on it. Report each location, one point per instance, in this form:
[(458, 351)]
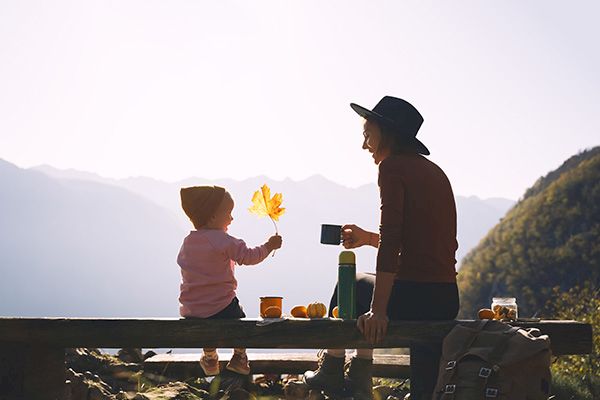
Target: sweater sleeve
[(391, 190), (244, 255)]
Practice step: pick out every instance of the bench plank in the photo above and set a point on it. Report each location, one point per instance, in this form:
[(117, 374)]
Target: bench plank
[(44, 367), (185, 366), (567, 337)]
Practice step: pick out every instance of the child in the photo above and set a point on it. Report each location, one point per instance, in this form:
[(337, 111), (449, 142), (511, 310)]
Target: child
[(207, 259)]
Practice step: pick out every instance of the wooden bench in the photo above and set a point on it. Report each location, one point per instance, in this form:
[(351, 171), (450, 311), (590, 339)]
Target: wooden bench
[(183, 366), (32, 350)]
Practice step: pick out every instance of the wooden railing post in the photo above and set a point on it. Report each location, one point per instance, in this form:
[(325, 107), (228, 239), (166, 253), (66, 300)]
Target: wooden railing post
[(32, 372)]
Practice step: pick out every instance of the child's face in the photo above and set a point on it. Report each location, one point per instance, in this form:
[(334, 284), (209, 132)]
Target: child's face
[(222, 218)]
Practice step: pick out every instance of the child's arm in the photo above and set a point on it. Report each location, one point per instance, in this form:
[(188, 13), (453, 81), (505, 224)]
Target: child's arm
[(244, 255)]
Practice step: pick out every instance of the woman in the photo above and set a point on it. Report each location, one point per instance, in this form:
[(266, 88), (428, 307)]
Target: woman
[(415, 275)]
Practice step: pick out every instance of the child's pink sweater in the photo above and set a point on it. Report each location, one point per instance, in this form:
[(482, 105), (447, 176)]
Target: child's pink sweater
[(207, 259)]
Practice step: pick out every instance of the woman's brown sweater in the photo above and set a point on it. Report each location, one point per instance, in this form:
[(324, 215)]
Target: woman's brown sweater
[(418, 220)]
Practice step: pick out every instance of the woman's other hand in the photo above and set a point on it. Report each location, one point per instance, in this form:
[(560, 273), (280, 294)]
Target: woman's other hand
[(373, 326), (354, 236)]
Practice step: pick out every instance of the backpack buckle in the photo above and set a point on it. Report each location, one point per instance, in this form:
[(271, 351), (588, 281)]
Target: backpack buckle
[(485, 372), (450, 365), (449, 389), (491, 392)]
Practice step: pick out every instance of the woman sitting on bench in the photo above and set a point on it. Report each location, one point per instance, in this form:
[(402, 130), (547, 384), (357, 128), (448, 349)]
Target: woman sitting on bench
[(415, 275)]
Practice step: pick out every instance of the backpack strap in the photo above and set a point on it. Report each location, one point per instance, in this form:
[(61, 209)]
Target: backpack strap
[(494, 357), (448, 391), (468, 343), (500, 348)]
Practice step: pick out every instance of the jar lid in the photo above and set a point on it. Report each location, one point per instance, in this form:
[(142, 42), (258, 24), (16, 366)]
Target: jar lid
[(504, 299)]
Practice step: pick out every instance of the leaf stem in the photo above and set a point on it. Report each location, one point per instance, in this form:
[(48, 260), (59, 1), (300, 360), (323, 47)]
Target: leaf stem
[(276, 232), (273, 221)]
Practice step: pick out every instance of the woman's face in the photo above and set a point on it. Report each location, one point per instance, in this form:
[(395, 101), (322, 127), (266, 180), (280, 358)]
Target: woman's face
[(372, 142)]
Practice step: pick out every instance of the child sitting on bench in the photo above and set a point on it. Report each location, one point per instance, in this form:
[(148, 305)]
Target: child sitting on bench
[(207, 259)]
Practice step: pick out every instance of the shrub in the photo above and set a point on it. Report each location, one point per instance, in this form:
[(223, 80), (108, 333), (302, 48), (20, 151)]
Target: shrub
[(578, 376)]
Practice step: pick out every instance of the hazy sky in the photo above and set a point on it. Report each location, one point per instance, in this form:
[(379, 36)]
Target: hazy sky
[(173, 89)]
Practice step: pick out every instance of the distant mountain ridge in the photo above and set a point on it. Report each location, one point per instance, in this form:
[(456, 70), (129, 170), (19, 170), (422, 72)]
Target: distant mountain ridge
[(77, 244), (550, 239), (476, 216), (82, 248)]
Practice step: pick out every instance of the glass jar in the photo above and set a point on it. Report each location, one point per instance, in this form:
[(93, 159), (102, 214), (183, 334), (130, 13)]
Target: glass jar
[(505, 308)]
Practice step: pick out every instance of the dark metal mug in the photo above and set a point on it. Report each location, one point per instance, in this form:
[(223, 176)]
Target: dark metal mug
[(331, 234)]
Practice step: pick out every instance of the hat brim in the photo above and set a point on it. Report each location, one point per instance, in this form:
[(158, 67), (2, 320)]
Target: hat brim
[(368, 114)]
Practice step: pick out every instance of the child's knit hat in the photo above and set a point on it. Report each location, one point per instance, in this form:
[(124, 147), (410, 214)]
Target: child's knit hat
[(201, 202)]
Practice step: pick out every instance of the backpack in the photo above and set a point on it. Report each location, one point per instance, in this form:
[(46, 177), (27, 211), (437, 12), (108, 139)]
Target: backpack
[(491, 360)]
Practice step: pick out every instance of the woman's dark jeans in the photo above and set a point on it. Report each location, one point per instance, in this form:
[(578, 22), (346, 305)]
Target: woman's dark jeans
[(413, 301)]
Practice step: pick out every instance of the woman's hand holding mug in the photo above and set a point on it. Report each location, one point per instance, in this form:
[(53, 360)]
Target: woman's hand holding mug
[(353, 236)]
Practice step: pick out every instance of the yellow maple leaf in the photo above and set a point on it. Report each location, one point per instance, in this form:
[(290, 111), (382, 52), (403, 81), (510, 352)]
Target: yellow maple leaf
[(265, 205)]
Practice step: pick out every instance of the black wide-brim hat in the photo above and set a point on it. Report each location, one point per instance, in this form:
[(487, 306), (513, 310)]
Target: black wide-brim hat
[(400, 117)]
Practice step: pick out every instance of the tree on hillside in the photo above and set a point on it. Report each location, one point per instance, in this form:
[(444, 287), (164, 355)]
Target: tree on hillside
[(550, 239)]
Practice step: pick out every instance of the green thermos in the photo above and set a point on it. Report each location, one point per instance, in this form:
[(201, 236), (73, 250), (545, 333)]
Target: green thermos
[(346, 291)]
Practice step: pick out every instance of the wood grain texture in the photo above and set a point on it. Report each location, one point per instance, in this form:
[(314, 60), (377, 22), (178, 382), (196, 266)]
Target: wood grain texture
[(567, 337)]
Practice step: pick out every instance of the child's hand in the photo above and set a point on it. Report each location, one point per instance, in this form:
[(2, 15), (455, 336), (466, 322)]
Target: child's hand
[(274, 242)]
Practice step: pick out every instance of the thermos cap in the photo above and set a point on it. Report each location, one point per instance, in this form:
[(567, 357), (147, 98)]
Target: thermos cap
[(347, 257)]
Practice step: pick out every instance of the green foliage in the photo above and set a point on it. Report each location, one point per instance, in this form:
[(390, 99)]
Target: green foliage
[(579, 373), (550, 239), (546, 253), (569, 388)]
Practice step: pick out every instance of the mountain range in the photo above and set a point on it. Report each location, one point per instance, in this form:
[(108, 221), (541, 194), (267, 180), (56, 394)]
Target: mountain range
[(73, 243)]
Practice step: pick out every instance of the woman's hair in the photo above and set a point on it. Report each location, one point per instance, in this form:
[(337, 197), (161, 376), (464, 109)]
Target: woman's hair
[(393, 140)]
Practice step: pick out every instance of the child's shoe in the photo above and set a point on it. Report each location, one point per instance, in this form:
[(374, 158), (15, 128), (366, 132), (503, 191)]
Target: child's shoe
[(239, 364), (210, 364)]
